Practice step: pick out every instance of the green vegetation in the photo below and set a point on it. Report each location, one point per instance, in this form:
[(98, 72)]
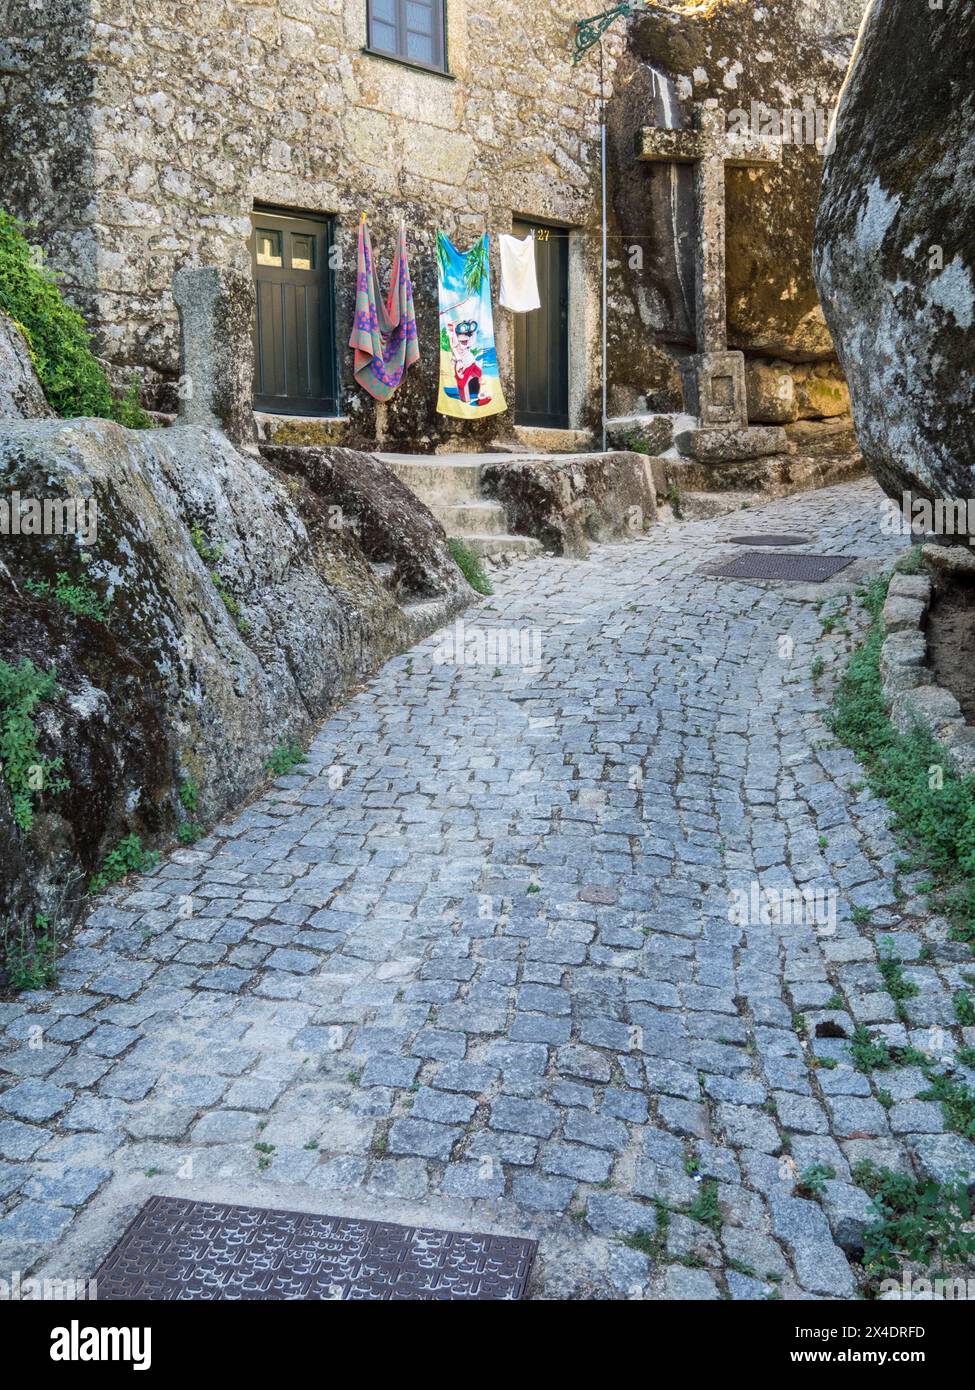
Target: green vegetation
[(891, 969), (867, 1053), (128, 857), (922, 1221), (78, 596), (190, 830), (705, 1208), (965, 1008), (287, 755), (813, 1180), (643, 1241), (211, 555), (957, 1102), (25, 772), (57, 338), (470, 566), (31, 955), (937, 813)]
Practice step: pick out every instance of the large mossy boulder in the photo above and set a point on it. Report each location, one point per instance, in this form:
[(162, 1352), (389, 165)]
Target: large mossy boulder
[(569, 502), (895, 245), (220, 609)]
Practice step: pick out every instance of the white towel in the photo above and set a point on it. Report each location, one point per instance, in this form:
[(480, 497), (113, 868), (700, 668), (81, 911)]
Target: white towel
[(519, 285)]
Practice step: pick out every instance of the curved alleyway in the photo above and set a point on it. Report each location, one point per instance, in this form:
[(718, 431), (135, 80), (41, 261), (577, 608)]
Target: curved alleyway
[(472, 964)]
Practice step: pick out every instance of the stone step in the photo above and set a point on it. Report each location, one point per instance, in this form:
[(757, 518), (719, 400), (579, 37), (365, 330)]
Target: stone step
[(501, 547), (439, 480), (539, 439), (470, 518), (701, 506)]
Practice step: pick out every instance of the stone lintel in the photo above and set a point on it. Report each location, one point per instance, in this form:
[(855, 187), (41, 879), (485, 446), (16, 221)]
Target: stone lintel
[(656, 145), (710, 139)]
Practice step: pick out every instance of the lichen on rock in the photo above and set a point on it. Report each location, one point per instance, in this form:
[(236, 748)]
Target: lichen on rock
[(569, 502), (895, 245), (236, 613)]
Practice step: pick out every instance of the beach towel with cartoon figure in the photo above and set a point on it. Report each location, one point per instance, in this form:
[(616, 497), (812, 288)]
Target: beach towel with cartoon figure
[(469, 383)]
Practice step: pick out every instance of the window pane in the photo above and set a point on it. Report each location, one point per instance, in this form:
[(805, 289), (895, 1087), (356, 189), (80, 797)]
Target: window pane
[(419, 18), (384, 36), (302, 251), (384, 10), (419, 46), (268, 247)]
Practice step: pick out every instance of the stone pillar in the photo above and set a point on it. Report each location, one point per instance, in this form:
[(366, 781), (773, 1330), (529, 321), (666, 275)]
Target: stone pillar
[(216, 308)]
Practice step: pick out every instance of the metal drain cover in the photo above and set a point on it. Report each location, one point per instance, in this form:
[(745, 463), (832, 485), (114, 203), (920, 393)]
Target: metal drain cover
[(178, 1249), (768, 540), (759, 564)]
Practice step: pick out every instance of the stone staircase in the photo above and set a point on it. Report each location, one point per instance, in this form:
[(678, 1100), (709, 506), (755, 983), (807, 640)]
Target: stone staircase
[(450, 485)]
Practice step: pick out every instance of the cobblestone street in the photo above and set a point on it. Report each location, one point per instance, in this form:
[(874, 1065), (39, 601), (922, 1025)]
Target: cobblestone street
[(472, 965)]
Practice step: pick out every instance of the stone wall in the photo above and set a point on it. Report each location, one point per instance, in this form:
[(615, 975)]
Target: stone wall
[(196, 113), (140, 138)]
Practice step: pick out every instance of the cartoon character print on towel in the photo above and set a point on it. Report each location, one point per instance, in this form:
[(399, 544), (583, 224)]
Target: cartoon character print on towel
[(470, 386)]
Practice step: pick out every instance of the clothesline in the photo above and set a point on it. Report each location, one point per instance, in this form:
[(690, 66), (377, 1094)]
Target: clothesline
[(384, 332)]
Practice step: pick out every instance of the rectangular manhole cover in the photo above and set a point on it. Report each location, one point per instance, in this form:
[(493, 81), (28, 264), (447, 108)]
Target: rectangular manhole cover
[(759, 564), (769, 539), (179, 1249)]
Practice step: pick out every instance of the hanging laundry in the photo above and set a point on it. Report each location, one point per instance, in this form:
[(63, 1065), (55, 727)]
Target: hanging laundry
[(470, 386), (383, 335), (519, 283)]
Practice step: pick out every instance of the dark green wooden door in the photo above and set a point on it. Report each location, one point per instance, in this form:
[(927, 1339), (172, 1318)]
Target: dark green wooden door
[(542, 336), (294, 328)]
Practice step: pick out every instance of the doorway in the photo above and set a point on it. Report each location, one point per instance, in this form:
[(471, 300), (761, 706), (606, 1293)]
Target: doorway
[(542, 335), (295, 370)]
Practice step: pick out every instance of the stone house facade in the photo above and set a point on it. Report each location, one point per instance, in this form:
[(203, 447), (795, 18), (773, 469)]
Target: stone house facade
[(142, 138), (139, 139)]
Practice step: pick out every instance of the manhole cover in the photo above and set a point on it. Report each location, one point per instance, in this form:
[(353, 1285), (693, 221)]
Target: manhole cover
[(758, 564), (178, 1249), (769, 540)]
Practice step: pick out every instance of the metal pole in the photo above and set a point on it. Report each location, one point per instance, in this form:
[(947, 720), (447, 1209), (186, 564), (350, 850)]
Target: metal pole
[(602, 176)]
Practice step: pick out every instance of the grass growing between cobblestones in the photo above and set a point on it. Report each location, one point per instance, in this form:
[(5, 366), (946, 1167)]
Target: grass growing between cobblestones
[(287, 755), (935, 812), (925, 1222)]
